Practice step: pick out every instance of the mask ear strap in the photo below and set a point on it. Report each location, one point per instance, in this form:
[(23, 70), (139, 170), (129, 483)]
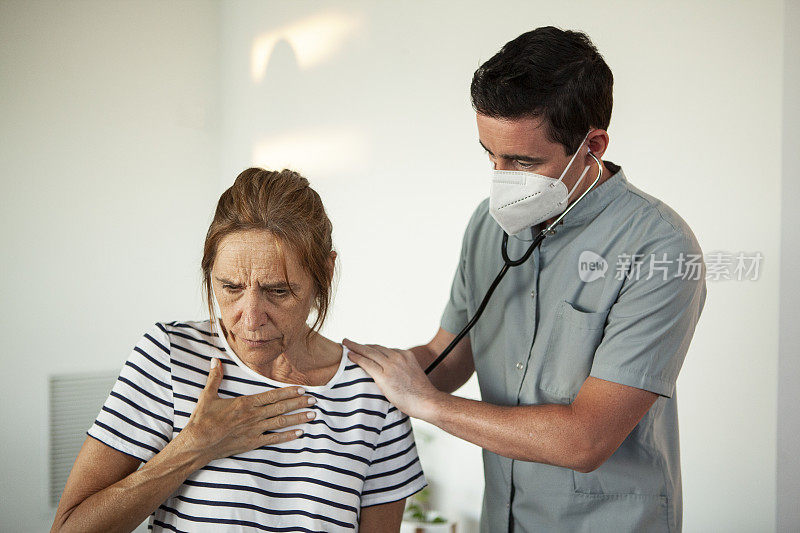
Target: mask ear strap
[(585, 170), (573, 159), (215, 309)]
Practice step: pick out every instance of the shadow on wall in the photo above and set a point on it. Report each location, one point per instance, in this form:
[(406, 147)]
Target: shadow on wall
[(288, 71)]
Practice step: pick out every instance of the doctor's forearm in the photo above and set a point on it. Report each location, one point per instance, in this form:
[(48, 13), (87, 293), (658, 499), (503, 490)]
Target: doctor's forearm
[(445, 377), (550, 434), (452, 373)]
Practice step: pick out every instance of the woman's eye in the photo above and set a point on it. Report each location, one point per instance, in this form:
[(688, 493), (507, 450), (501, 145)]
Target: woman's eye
[(229, 287), (279, 293)]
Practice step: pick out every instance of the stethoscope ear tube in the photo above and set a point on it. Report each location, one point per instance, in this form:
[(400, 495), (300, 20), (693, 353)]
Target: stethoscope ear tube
[(507, 263)]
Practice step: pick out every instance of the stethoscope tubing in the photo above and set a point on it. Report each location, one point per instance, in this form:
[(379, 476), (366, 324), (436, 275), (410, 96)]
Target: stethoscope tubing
[(508, 263)]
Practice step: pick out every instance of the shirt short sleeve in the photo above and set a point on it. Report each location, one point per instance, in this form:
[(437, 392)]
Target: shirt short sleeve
[(454, 317), (650, 326), (137, 416), (395, 471)]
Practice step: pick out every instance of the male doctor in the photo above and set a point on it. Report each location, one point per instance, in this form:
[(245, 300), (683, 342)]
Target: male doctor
[(578, 351)]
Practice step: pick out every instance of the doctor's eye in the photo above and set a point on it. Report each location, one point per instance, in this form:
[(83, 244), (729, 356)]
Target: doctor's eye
[(524, 164)]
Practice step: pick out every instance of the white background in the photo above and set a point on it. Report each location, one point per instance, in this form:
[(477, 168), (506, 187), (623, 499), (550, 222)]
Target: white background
[(122, 122)]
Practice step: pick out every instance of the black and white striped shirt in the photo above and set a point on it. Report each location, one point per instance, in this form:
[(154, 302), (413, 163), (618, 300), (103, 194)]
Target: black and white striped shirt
[(358, 451)]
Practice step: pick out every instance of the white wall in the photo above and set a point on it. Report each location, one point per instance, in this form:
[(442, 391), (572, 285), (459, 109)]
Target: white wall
[(788, 464), (108, 155), (697, 122), (371, 101)]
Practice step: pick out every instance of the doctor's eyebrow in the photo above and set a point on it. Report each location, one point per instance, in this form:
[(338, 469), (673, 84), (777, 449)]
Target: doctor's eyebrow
[(516, 157)]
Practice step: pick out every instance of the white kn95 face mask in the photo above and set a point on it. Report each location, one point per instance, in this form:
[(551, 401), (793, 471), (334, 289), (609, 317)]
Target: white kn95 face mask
[(519, 199)]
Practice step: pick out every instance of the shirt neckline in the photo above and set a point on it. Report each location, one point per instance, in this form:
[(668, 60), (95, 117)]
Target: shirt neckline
[(598, 198), (315, 388), (595, 201)]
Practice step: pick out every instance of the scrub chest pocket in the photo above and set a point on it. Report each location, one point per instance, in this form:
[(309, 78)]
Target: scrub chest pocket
[(570, 350)]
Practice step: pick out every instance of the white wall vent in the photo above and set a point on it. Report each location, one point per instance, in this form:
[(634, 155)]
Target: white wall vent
[(75, 402)]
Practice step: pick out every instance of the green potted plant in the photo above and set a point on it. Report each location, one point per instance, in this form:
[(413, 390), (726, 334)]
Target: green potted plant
[(418, 518)]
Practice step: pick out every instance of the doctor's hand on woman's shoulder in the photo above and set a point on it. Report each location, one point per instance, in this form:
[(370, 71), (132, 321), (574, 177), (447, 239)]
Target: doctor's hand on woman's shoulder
[(220, 427), (107, 491)]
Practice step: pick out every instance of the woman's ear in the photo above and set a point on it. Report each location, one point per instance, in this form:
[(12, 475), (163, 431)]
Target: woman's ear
[(331, 264)]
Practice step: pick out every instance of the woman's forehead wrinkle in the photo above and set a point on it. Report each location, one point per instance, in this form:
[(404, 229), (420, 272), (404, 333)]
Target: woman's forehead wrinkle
[(253, 258), (258, 269), (248, 263)]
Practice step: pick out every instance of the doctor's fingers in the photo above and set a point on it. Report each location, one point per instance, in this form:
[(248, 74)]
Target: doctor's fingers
[(393, 353), (395, 357), (367, 363), (369, 350), (397, 361), (396, 354), (389, 353)]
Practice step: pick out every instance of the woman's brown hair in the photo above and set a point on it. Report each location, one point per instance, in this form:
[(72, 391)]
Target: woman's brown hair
[(283, 204)]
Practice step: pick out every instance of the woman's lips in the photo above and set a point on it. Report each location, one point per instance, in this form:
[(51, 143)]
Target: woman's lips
[(257, 343)]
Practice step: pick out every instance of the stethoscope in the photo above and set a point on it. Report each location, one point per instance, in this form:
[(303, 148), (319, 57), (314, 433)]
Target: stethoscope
[(508, 263)]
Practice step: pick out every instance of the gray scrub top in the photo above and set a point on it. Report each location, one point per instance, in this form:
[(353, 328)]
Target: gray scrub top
[(561, 317)]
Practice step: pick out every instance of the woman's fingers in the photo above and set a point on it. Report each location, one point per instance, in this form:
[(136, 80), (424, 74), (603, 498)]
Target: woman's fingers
[(273, 396), (277, 437), (284, 421), (226, 426), (284, 406), (211, 390)]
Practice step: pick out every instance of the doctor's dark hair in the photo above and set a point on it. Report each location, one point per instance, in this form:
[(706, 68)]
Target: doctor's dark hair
[(283, 204), (551, 73)]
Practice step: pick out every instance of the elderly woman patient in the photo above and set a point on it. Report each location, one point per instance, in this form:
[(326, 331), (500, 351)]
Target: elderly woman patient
[(253, 421)]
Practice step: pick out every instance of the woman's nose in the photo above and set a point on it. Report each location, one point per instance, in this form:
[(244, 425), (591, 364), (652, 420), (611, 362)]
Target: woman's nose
[(254, 313)]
